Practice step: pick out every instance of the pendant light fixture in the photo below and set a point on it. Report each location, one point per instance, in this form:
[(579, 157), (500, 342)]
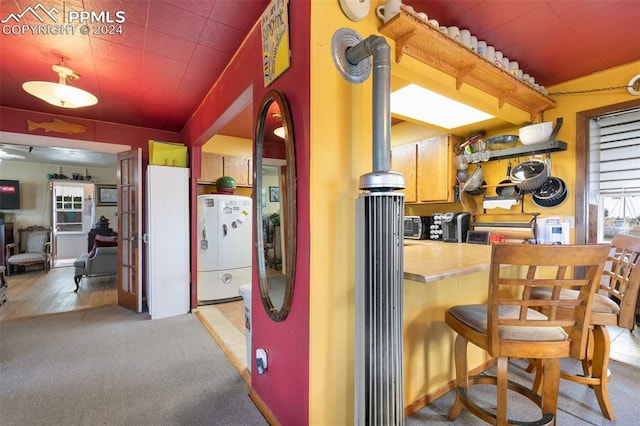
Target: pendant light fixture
[(278, 131), (60, 94)]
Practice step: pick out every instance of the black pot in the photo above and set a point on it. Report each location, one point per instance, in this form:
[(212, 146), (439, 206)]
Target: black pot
[(553, 194), (552, 189), (530, 175)]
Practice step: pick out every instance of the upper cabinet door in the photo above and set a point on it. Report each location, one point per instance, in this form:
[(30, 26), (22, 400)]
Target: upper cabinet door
[(428, 169), (211, 167), (435, 170), (237, 168), (404, 160)]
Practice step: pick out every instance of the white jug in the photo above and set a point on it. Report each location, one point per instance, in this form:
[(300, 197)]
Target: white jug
[(388, 10)]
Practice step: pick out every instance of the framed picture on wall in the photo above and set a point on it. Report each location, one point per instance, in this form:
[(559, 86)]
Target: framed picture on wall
[(107, 195), (274, 194)]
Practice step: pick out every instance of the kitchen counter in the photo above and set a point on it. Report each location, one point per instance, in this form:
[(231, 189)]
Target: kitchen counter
[(428, 261), (437, 276)]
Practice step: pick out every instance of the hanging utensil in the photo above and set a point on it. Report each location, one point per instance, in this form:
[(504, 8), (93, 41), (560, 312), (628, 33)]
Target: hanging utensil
[(508, 190)]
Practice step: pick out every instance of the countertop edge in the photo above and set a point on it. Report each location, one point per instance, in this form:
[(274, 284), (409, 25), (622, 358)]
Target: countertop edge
[(437, 277)]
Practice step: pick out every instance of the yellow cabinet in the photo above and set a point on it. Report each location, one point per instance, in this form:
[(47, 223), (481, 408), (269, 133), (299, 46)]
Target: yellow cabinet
[(428, 169)]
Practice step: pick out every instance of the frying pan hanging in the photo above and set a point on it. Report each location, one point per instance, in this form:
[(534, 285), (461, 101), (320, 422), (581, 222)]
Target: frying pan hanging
[(507, 191)]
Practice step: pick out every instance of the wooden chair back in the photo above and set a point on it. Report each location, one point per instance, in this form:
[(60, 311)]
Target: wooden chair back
[(545, 265), (621, 277)]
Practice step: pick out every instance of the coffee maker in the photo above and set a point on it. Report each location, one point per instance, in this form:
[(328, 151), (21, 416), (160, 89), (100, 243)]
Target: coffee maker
[(455, 227)]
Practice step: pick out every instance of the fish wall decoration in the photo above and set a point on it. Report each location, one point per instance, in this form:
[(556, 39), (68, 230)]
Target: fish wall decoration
[(57, 126)]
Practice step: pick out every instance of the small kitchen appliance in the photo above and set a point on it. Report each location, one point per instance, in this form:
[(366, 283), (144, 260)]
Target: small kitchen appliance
[(435, 226), (455, 227), (416, 227)]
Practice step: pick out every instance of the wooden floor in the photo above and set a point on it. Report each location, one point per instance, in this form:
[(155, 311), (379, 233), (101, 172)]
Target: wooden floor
[(34, 293)]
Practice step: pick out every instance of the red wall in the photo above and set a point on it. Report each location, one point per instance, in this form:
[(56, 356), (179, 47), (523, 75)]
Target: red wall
[(14, 121), (285, 386)]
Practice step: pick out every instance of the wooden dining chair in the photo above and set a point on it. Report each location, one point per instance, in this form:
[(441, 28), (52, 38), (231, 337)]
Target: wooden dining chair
[(510, 326), (614, 305)]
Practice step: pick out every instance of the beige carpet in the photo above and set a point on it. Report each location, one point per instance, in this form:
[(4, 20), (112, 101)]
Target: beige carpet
[(110, 366)]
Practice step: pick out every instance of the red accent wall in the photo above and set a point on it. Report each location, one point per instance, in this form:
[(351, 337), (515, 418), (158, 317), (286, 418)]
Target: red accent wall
[(285, 385), (14, 121)]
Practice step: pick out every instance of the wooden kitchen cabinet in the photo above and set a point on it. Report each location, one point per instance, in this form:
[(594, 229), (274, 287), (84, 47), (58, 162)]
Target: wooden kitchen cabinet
[(237, 168), (211, 167), (214, 166), (428, 169), (404, 160)]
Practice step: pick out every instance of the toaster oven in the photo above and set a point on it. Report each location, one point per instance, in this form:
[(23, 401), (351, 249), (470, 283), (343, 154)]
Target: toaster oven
[(415, 227)]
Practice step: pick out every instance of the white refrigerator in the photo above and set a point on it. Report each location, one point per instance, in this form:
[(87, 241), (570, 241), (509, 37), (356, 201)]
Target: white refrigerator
[(224, 246), (167, 241)]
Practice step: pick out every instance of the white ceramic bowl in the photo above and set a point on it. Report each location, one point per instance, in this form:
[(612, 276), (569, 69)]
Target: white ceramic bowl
[(535, 133)]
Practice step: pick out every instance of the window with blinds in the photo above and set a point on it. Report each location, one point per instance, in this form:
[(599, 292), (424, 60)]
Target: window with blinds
[(615, 173)]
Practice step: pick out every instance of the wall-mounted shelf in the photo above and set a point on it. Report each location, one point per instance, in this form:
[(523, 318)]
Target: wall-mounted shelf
[(424, 42), (522, 151)]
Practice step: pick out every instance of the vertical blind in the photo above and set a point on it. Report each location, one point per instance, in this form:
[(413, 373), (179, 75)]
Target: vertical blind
[(618, 148)]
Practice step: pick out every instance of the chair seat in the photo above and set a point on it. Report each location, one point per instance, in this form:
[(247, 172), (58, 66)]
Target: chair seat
[(601, 303), (80, 262), (27, 257), (475, 316)]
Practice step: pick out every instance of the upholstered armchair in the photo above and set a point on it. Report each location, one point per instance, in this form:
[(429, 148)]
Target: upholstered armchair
[(33, 248), (101, 260)]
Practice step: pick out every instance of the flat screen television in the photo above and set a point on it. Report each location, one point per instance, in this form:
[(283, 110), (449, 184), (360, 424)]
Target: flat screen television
[(9, 194)]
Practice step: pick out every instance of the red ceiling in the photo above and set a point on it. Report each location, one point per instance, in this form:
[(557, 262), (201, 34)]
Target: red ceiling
[(169, 54), (553, 40), (154, 74)]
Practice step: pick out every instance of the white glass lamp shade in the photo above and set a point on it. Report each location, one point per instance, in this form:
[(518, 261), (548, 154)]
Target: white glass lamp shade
[(60, 95), (280, 132)]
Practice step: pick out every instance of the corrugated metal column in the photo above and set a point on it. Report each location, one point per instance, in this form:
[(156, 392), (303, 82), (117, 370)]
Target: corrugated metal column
[(379, 385), (379, 327)]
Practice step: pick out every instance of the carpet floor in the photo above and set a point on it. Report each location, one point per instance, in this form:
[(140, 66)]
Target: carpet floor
[(110, 366)]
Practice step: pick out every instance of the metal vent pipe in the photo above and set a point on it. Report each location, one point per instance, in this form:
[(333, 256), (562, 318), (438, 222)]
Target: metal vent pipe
[(380, 179), (379, 384)]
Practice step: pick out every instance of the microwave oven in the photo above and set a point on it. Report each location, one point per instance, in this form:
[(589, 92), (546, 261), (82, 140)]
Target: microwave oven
[(415, 227)]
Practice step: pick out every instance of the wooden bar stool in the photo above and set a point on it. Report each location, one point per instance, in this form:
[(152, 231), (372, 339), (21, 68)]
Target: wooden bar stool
[(509, 326), (614, 304)]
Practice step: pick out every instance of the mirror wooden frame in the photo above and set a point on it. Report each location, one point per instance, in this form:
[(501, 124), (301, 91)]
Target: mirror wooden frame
[(288, 207)]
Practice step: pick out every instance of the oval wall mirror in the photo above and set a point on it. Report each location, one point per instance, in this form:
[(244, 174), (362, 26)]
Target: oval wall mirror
[(275, 205)]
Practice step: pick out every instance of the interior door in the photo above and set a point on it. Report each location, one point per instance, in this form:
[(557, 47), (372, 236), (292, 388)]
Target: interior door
[(129, 177)]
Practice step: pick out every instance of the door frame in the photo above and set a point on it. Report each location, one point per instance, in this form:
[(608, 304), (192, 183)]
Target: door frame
[(586, 214)]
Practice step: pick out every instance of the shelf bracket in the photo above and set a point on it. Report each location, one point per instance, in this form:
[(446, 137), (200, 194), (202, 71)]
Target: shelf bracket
[(402, 42), (504, 96), (535, 112), (461, 74)]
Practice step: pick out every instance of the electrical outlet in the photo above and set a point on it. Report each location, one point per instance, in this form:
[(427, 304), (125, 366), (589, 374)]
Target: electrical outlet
[(261, 360)]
